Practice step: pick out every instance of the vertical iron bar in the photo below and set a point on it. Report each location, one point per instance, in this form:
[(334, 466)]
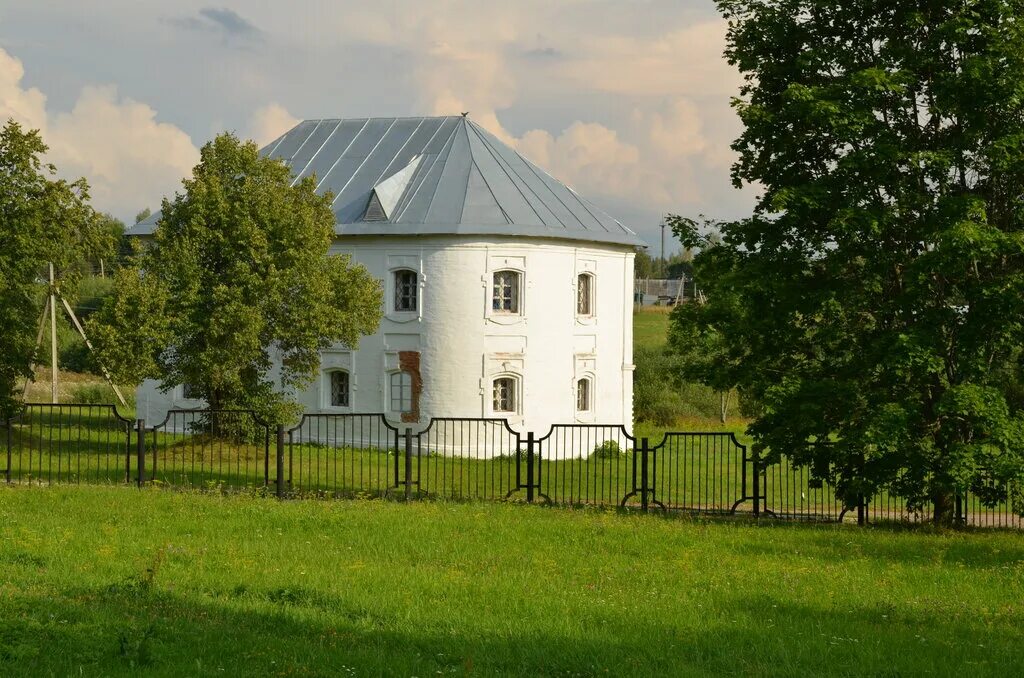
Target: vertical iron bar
[(280, 460), (140, 450), (408, 464), (529, 467), (644, 449), (757, 483)]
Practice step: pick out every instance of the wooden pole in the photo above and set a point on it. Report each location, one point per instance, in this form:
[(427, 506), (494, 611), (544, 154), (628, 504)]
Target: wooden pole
[(53, 340), (81, 331)]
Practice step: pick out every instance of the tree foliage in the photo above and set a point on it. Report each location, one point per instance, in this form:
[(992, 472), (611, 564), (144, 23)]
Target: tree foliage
[(42, 220), (237, 278), (873, 302)]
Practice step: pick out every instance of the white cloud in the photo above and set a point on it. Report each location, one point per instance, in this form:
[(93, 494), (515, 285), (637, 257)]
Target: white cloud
[(269, 122), (130, 160)]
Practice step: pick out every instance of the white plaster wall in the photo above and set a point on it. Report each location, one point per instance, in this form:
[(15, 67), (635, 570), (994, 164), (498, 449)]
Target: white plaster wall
[(463, 346)]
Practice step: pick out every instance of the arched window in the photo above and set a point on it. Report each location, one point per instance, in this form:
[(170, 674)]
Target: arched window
[(585, 294), (504, 395), (506, 292), (406, 290), (583, 395), (340, 389), (401, 392)]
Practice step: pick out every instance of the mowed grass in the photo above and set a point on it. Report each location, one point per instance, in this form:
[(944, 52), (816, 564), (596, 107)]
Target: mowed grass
[(117, 581)]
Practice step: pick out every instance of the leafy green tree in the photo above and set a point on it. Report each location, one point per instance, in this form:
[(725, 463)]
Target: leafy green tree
[(42, 220), (874, 300), (643, 266), (237, 278)]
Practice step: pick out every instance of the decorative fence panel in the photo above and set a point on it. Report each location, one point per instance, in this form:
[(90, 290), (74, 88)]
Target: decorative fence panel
[(464, 459), (343, 455), (704, 472), (467, 459), (587, 464), (208, 449), (50, 443)]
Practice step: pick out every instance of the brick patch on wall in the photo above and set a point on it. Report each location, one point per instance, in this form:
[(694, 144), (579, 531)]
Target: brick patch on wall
[(409, 361)]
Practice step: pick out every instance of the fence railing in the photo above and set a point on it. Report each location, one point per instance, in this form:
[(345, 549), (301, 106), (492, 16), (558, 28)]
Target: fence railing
[(453, 458)]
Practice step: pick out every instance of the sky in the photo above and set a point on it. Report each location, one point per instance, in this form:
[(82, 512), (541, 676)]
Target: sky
[(627, 101)]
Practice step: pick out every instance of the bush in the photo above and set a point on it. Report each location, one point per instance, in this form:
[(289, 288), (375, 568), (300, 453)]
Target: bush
[(609, 449), (101, 394)]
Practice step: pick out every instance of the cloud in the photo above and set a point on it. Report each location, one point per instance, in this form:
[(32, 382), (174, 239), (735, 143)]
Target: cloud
[(129, 158), (224, 22), (269, 122)]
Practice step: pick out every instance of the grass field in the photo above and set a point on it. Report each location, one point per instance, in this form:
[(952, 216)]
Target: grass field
[(114, 581)]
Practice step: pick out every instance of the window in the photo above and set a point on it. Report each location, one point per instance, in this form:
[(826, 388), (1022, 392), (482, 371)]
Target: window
[(401, 392), (505, 395), (583, 395), (506, 292), (189, 392), (584, 294), (339, 389), (406, 290)]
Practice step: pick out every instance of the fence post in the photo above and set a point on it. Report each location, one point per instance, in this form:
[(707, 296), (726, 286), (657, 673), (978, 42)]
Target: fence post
[(862, 517), (959, 517), (280, 460), (408, 464), (644, 457), (757, 483), (7, 472), (529, 467), (140, 451)]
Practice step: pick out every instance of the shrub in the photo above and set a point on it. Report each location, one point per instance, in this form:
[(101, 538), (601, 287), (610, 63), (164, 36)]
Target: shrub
[(609, 449)]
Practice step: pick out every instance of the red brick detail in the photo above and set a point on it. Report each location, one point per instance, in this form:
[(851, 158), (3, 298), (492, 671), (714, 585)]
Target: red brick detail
[(409, 361)]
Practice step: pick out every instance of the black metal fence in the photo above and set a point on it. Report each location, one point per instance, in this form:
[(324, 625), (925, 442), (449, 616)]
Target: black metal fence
[(340, 455)]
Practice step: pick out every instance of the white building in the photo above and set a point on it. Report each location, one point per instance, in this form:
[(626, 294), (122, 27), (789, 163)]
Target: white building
[(506, 294)]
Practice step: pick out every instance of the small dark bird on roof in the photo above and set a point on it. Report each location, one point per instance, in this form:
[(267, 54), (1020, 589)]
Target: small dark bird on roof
[(465, 113)]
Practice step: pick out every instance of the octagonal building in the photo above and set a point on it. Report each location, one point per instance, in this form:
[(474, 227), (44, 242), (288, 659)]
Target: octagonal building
[(506, 294)]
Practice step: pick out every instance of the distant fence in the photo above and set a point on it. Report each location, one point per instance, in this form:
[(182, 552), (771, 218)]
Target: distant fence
[(337, 455)]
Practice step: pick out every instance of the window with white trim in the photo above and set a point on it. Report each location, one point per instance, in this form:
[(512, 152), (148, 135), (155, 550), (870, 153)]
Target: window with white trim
[(340, 391), (504, 395), (189, 392), (406, 290), (505, 298), (585, 294), (583, 395), (401, 392)]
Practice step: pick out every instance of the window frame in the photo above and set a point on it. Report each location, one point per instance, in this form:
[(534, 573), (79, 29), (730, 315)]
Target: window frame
[(402, 394), (396, 289), (330, 374), (516, 297), (590, 297), (587, 390), (513, 394)]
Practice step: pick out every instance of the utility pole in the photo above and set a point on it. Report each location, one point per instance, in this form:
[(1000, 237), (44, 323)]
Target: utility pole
[(53, 338), (662, 267)]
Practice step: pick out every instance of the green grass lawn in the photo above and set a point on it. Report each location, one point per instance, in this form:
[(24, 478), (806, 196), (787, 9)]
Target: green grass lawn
[(650, 326), (114, 581)]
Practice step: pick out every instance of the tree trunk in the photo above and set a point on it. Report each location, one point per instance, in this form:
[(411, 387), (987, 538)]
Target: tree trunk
[(944, 505), (723, 405)]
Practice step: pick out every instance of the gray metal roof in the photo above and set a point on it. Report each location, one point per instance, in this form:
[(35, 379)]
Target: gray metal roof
[(437, 175)]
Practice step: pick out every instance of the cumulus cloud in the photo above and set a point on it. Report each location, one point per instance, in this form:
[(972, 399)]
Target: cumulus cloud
[(129, 158), (269, 122)]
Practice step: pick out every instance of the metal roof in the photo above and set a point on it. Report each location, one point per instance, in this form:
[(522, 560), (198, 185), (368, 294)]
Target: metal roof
[(434, 175)]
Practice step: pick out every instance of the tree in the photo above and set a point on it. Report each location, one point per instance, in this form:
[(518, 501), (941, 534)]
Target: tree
[(643, 266), (879, 282), (42, 220), (142, 215), (237, 278)]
